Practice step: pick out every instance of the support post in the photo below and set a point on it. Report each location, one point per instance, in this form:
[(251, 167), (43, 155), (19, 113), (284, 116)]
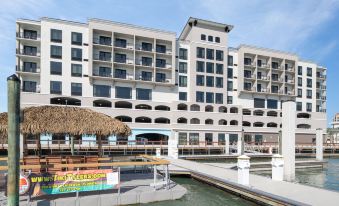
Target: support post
[(288, 139), (227, 144), (277, 167), (280, 142), (240, 144), (72, 145), (13, 85), (319, 144), (244, 170)]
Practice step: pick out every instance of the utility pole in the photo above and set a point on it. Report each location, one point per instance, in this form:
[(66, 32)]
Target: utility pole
[(13, 85)]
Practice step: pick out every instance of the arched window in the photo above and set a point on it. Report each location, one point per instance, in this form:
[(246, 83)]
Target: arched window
[(303, 115), (123, 104), (162, 108), (208, 121), (143, 106), (272, 113), (182, 120), (124, 118), (195, 107), (65, 101), (143, 120), (258, 124), (272, 124), (208, 108), (162, 120), (304, 126), (222, 109), (246, 112), (234, 122), (195, 121), (258, 113), (234, 110), (182, 106), (102, 103), (246, 124), (222, 122)]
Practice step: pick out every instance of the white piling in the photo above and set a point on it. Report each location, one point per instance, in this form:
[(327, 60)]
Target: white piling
[(244, 170), (240, 145), (173, 146), (319, 144), (277, 167)]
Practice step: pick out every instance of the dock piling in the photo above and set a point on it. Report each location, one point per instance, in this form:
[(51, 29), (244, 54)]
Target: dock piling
[(277, 167), (319, 144), (244, 170)]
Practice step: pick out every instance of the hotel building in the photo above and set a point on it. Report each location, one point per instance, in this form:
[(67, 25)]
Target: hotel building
[(191, 87)]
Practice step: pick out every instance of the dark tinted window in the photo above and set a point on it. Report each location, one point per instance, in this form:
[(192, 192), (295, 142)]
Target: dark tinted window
[(76, 70), (272, 104), (101, 91), (56, 35), (55, 87), (144, 94), (56, 68), (200, 66), (183, 67), (56, 51), (200, 97), (259, 103), (76, 54), (209, 97), (183, 53), (123, 92), (76, 89), (217, 39), (76, 38), (203, 37), (183, 96)]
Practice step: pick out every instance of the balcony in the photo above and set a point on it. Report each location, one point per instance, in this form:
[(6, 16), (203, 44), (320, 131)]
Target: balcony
[(145, 78), (289, 81), (144, 63), (263, 78), (289, 68), (167, 81), (123, 45), (250, 76), (102, 73), (163, 51), (263, 66), (123, 76), (146, 48), (28, 35), (102, 41), (101, 57), (28, 52), (123, 60), (250, 64), (28, 69), (321, 76)]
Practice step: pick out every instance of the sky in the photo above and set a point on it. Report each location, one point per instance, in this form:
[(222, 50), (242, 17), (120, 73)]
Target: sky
[(309, 28)]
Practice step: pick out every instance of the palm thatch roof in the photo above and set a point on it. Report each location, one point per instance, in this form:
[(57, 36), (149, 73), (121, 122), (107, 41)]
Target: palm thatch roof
[(66, 120)]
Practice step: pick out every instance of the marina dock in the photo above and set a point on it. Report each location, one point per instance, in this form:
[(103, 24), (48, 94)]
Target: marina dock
[(262, 189)]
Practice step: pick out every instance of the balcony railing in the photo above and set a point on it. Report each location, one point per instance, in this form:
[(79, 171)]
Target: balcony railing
[(163, 80), (145, 78), (105, 42), (163, 65), (102, 74), (102, 57), (28, 53), (123, 60), (28, 69), (263, 78), (264, 65), (144, 63), (123, 76), (120, 44), (163, 51), (141, 48), (35, 89), (27, 35)]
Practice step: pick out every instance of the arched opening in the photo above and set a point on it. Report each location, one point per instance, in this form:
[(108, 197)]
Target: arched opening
[(258, 113), (222, 122), (123, 104), (272, 124), (280, 125), (246, 112), (65, 101), (258, 124), (143, 106), (223, 109), (162, 120), (303, 115), (234, 110), (124, 118), (233, 122), (246, 124), (209, 121), (208, 108), (195, 107), (304, 126), (182, 120), (151, 138), (194, 121), (143, 120), (162, 108), (272, 114), (182, 106), (102, 103)]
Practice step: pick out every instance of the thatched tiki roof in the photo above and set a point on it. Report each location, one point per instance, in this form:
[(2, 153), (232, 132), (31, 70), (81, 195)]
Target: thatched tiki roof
[(66, 120)]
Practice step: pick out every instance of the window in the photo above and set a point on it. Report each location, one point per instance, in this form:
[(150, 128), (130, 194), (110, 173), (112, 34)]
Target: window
[(102, 71), (272, 104), (123, 92), (247, 86), (300, 93), (160, 63), (299, 106), (248, 61), (160, 77), (146, 61), (101, 91), (56, 68), (183, 96), (200, 97), (219, 82), (182, 138), (274, 89), (259, 103), (229, 85), (247, 74), (309, 71), (183, 53), (209, 81), (210, 54), (194, 139), (120, 73), (309, 94), (219, 55), (209, 97), (29, 34), (219, 69), (30, 50), (76, 70), (219, 98), (76, 54), (300, 81), (145, 46), (183, 67), (146, 76), (209, 138), (106, 56), (229, 100), (209, 67), (56, 35), (29, 86), (56, 51), (300, 70), (105, 40), (230, 60), (309, 107), (200, 52), (76, 89), (221, 139), (275, 77), (76, 38), (230, 73), (309, 83), (182, 81), (203, 37), (200, 80), (217, 39), (160, 48), (120, 58), (55, 87), (144, 94), (30, 67), (200, 66), (210, 38)]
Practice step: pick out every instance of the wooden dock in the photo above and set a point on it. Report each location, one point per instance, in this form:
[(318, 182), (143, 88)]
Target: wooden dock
[(262, 189)]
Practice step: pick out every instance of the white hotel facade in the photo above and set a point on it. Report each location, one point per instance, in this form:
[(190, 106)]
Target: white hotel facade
[(193, 87)]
